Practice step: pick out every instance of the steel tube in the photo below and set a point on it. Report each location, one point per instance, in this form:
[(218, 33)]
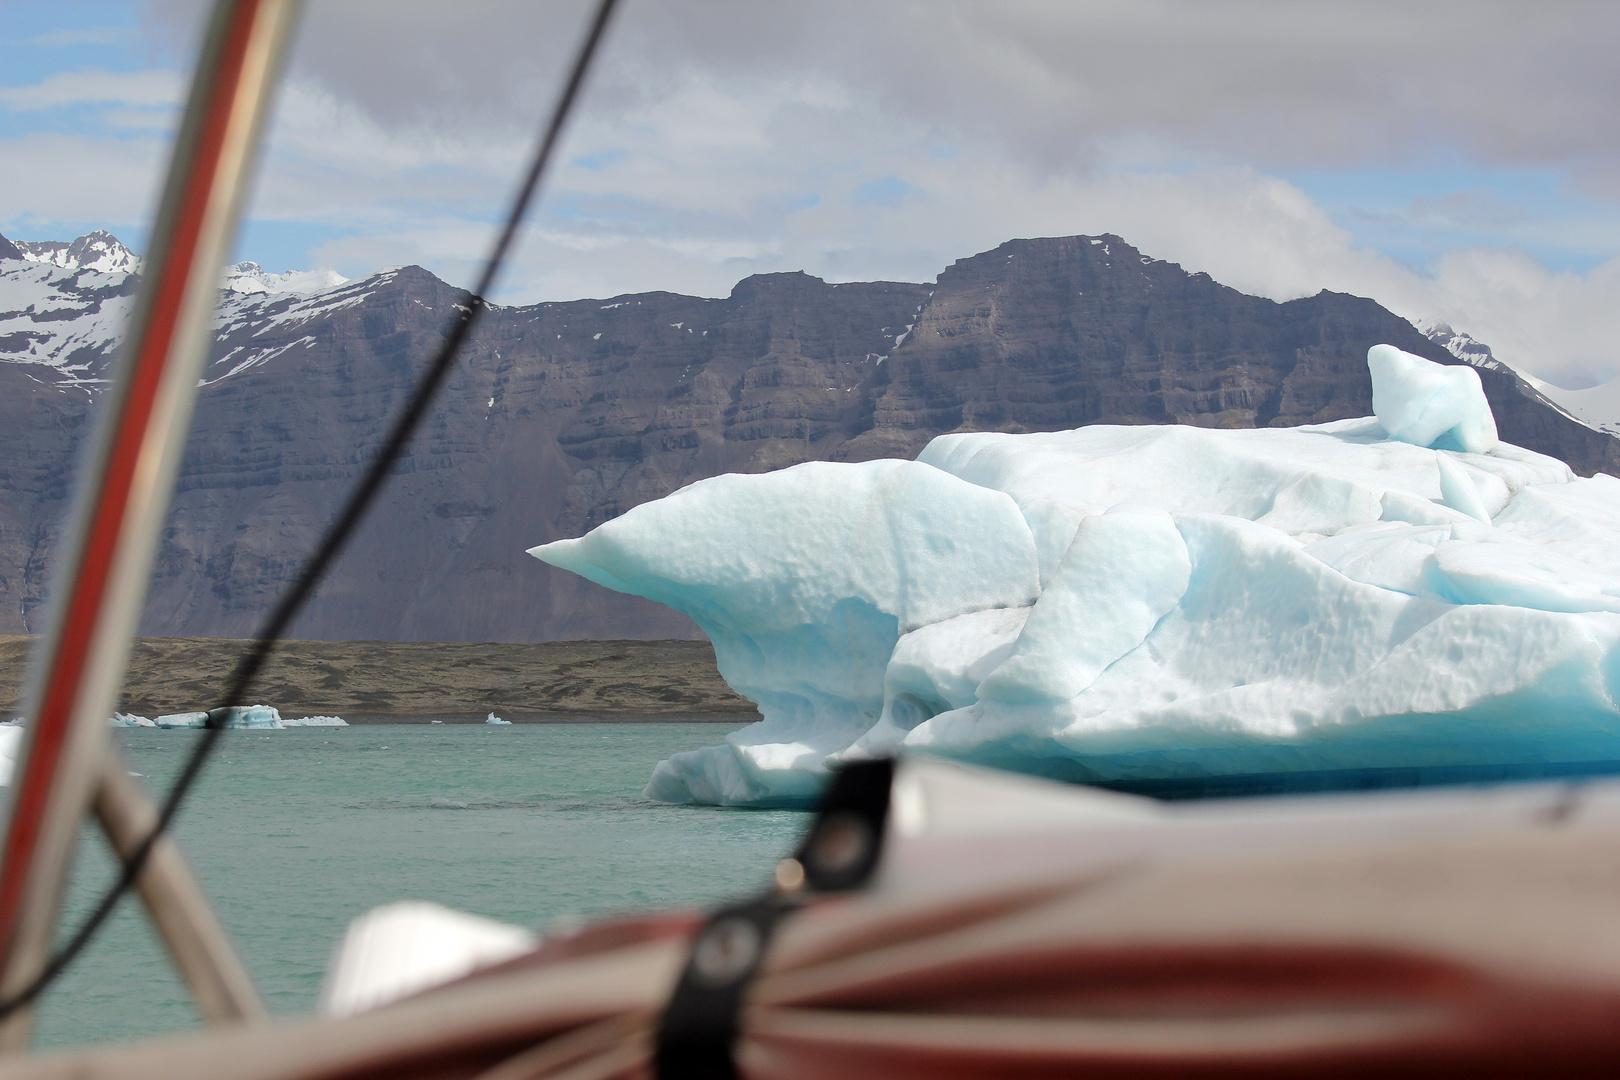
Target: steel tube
[(128, 479), (196, 941)]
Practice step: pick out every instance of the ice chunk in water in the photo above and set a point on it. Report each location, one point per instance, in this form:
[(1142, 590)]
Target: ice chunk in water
[(11, 737), (1114, 603), (1429, 404), (238, 716)]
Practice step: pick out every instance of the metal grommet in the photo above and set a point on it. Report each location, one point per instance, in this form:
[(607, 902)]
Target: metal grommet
[(726, 951), (841, 843)]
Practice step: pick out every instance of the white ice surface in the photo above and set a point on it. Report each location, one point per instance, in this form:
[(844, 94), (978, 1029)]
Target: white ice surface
[(245, 716), (11, 737), (805, 579), (1147, 602), (131, 720), (262, 717), (1429, 404)]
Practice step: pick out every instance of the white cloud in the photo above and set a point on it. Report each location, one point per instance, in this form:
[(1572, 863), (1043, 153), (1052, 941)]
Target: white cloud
[(712, 178), (53, 178), (885, 139), (152, 88), (1051, 82), (1561, 326)]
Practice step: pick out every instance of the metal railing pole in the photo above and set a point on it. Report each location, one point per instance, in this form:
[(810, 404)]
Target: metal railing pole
[(128, 480), (186, 921)]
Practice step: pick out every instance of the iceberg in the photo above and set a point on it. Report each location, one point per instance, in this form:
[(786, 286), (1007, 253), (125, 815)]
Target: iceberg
[(493, 719), (11, 738), (238, 716), (130, 720), (1131, 603), (1429, 404), (314, 721), (261, 717)]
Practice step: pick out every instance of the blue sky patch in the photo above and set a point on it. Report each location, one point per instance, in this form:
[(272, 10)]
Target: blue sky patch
[(886, 191)]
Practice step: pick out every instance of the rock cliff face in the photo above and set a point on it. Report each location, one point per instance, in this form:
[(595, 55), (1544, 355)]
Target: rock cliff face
[(1050, 334), (564, 415)]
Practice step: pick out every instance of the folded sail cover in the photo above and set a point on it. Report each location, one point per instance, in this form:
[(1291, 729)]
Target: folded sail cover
[(1019, 928)]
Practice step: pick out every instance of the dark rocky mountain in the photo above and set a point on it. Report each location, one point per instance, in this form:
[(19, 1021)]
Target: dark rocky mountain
[(564, 415)]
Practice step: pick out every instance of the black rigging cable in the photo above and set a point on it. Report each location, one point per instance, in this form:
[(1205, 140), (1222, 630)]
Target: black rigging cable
[(338, 533)]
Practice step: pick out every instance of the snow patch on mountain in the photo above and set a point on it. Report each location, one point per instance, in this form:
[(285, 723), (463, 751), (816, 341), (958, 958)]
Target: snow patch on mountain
[(100, 251), (1465, 347), (251, 279), (1595, 406), (68, 319), (66, 306)]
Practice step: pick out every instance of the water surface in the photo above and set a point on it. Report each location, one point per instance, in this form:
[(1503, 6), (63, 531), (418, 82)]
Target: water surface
[(293, 833)]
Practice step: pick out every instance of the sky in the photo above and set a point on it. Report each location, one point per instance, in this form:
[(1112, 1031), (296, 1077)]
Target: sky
[(1457, 162)]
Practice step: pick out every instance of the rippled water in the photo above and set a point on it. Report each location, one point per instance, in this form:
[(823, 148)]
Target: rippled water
[(293, 833)]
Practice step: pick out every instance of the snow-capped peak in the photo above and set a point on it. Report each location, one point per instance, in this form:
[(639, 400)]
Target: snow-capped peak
[(65, 305), (1597, 406), (251, 278), (1465, 347), (100, 251)]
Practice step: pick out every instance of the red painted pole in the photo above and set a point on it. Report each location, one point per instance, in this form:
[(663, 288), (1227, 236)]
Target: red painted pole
[(124, 495)]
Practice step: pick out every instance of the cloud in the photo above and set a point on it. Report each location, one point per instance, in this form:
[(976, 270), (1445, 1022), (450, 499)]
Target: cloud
[(54, 178), (146, 89), (1272, 84), (861, 140), (1560, 326)]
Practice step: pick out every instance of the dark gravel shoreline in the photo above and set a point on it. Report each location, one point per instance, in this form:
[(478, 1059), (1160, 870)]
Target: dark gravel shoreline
[(458, 682)]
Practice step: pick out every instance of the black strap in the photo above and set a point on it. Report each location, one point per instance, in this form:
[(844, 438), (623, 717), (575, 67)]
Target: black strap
[(698, 1031)]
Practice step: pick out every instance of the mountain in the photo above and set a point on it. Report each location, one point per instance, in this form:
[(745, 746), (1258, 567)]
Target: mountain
[(563, 415), (1464, 347), (1596, 407), (99, 251)]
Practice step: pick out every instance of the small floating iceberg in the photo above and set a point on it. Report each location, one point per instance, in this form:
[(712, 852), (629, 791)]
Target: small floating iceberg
[(1117, 603), (11, 737), (237, 716), (260, 717), (493, 719), (131, 720)]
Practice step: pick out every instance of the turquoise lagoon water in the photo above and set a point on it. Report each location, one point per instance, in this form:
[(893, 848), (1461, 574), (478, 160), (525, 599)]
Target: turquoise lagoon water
[(293, 833)]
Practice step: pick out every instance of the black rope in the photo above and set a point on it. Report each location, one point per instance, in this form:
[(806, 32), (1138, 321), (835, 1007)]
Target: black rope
[(338, 533)]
